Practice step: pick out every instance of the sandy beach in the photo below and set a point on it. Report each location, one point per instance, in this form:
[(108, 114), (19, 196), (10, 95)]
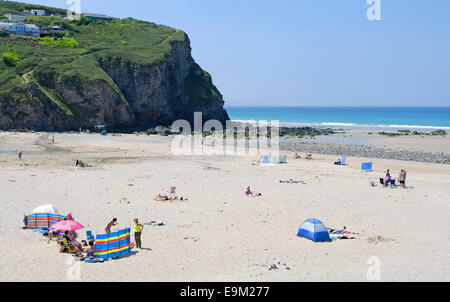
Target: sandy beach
[(219, 234)]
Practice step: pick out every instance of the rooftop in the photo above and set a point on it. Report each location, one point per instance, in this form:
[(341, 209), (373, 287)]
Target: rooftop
[(96, 15)]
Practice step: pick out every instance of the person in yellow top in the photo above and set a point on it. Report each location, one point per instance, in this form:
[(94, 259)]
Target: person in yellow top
[(137, 232)]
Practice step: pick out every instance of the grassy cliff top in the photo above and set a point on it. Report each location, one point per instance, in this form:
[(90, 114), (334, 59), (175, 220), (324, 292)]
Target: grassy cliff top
[(18, 7), (75, 56)]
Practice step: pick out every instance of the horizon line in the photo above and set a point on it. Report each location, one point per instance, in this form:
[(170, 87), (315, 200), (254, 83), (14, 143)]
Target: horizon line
[(331, 106)]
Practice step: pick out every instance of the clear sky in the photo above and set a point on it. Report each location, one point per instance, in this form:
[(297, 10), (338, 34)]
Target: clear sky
[(309, 52)]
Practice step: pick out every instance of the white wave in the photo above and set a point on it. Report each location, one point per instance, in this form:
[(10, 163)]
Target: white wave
[(338, 124), (351, 125)]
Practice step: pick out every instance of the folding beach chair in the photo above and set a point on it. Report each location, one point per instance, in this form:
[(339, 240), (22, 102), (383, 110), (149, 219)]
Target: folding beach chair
[(67, 248), (89, 236)]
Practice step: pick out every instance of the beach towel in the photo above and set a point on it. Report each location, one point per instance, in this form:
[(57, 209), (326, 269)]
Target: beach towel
[(342, 234), (94, 260), (253, 194), (346, 235)]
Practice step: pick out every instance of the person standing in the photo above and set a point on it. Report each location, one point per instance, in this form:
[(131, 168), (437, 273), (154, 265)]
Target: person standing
[(137, 233), (402, 178), (20, 155), (110, 224)]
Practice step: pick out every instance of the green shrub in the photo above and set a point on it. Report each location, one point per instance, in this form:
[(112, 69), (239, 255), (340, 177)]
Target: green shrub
[(62, 42), (10, 58)]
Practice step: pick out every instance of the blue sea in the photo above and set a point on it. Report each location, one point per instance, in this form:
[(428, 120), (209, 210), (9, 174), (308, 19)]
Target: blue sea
[(354, 117)]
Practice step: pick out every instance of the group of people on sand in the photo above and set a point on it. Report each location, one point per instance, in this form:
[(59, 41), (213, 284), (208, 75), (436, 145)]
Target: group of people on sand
[(307, 156), (85, 249), (164, 197), (81, 164), (137, 229), (250, 193), (170, 196), (82, 250), (388, 180)]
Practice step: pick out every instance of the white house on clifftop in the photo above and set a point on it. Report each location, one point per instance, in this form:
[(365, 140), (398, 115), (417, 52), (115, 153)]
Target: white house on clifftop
[(21, 29)]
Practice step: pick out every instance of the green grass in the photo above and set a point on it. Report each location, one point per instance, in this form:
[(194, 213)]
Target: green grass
[(75, 58)]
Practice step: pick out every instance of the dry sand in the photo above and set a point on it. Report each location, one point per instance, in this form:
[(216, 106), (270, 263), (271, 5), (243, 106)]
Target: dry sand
[(218, 234)]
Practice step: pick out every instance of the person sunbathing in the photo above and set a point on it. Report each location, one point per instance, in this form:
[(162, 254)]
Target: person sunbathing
[(342, 233), (289, 181), (249, 193), (338, 162), (87, 252), (75, 243), (167, 198), (309, 156), (338, 231), (90, 250)]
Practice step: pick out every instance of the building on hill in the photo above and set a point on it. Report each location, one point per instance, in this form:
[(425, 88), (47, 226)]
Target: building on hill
[(54, 31), (38, 12), (15, 18), (99, 17), (21, 29), (27, 12)]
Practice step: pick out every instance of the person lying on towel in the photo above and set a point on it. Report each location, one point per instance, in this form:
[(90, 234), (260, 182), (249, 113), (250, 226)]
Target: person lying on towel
[(167, 198), (289, 181), (249, 193), (343, 233)]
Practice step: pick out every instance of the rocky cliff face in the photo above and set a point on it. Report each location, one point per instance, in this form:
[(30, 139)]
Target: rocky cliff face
[(136, 98)]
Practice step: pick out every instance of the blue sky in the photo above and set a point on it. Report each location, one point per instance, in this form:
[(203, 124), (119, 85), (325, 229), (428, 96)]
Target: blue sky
[(309, 52)]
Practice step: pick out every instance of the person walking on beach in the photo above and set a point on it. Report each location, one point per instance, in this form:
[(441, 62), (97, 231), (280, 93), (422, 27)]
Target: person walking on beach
[(402, 178), (137, 233), (20, 155), (110, 224)]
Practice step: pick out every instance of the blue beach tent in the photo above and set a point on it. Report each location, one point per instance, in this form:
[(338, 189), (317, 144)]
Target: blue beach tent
[(315, 230), (264, 160), (103, 132)]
